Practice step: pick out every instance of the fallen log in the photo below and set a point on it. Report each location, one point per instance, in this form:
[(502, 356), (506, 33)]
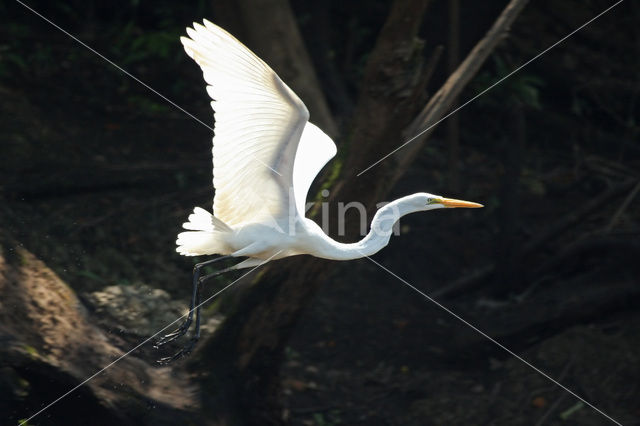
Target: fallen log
[(51, 349)]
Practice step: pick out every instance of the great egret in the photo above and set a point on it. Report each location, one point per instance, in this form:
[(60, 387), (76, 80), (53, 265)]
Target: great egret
[(265, 156)]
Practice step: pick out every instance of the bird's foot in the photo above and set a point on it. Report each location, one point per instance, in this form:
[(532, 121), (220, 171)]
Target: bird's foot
[(180, 354), (179, 332)]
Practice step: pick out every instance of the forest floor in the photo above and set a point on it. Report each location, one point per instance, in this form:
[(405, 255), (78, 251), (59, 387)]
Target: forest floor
[(103, 208), (373, 352)]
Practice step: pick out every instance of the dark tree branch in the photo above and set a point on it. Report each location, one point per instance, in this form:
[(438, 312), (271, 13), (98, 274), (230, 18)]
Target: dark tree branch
[(441, 102)]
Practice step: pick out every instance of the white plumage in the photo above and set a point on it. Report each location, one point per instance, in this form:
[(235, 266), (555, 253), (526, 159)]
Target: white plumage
[(265, 156)]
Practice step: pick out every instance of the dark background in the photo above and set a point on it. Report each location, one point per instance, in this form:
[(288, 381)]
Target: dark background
[(97, 173)]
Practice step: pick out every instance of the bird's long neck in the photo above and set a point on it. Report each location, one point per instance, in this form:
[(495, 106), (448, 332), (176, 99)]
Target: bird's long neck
[(377, 238)]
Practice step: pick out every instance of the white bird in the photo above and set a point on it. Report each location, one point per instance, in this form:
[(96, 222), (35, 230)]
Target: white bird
[(266, 154)]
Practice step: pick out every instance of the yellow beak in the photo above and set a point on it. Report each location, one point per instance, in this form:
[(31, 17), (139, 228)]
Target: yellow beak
[(451, 202)]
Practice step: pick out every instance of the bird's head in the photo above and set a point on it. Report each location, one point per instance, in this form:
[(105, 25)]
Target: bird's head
[(425, 201)]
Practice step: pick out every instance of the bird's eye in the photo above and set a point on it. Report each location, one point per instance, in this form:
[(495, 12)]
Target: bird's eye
[(429, 200)]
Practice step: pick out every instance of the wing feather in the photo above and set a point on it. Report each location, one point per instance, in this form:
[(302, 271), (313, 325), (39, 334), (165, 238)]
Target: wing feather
[(265, 152), (259, 121), (314, 151)]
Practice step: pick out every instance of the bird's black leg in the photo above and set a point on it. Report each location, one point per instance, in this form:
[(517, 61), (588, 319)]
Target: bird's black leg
[(195, 305), (184, 327), (189, 347)]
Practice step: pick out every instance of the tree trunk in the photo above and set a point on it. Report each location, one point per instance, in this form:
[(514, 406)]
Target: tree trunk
[(238, 365)]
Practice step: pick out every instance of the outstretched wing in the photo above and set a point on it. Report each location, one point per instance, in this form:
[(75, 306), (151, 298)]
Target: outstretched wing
[(314, 151), (258, 125)]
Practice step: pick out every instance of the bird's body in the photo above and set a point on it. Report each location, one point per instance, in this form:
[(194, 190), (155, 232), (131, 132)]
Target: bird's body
[(266, 154), (262, 241)]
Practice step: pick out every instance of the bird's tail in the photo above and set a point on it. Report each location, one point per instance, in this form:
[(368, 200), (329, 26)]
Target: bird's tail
[(205, 235)]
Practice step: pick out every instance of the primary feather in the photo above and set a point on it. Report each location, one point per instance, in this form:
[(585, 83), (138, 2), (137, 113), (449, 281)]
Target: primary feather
[(258, 124), (265, 152)]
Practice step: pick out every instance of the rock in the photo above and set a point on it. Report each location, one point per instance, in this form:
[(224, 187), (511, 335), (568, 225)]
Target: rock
[(140, 310), (49, 346)]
